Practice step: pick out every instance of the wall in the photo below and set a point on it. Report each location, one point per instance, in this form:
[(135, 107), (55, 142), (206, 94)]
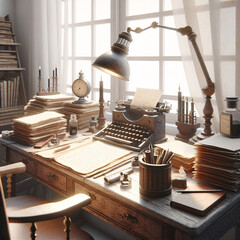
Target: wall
[(7, 7)]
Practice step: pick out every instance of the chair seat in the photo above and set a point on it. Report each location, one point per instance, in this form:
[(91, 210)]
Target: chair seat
[(52, 229)]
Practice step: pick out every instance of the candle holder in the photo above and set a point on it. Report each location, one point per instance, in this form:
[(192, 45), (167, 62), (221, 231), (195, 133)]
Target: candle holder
[(186, 131), (101, 118), (50, 90)]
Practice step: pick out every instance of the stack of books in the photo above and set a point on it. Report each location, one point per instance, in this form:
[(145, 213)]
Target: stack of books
[(35, 128), (53, 102), (218, 162), (84, 112), (184, 154)]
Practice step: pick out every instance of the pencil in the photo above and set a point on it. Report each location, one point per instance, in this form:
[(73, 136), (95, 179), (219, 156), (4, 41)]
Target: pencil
[(62, 148), (57, 129), (199, 191)]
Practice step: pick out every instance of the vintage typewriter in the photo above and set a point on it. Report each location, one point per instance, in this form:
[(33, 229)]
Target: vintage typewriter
[(135, 129)]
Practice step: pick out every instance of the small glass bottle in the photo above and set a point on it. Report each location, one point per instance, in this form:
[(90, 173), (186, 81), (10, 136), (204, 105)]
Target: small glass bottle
[(92, 125), (230, 118), (73, 125)]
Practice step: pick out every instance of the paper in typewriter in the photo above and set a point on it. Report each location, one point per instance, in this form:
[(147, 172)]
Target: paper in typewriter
[(92, 157), (146, 98)]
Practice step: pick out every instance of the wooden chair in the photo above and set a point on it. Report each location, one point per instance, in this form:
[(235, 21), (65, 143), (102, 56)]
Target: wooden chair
[(24, 211)]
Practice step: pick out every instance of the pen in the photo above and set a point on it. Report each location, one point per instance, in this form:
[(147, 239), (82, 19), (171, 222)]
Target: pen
[(170, 158), (199, 191), (158, 158), (151, 149), (147, 156)]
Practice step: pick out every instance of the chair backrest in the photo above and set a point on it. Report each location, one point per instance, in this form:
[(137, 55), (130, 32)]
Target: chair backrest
[(4, 233)]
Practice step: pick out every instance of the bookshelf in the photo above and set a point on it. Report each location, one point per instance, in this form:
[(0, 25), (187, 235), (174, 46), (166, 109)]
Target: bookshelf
[(12, 89)]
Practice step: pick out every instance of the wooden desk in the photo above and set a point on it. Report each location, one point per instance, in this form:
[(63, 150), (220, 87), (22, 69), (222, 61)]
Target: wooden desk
[(125, 208)]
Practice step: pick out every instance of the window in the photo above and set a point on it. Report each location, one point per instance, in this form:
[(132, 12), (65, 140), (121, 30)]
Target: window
[(154, 56), (87, 30), (91, 26)]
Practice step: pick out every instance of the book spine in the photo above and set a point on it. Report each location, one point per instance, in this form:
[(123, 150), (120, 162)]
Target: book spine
[(11, 93), (1, 94), (14, 91), (8, 94), (17, 90), (5, 93)]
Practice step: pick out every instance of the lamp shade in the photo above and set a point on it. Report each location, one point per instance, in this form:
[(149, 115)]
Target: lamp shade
[(115, 61)]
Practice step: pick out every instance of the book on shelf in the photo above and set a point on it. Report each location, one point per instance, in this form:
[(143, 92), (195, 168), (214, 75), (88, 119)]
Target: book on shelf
[(5, 24), (9, 89)]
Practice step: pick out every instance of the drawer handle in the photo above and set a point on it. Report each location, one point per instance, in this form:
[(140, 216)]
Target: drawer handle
[(129, 217), (52, 177)]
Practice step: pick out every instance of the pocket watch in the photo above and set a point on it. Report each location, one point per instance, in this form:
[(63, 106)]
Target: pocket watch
[(81, 88)]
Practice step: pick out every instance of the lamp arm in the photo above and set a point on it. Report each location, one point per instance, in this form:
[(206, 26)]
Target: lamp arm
[(209, 91)]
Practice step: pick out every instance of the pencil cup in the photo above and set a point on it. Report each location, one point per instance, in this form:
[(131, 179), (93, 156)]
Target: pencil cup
[(154, 179)]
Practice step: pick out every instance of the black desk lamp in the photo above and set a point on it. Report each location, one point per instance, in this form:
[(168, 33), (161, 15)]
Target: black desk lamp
[(115, 63)]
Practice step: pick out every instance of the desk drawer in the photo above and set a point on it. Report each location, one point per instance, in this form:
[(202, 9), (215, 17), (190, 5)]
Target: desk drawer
[(123, 217), (30, 164), (52, 177)]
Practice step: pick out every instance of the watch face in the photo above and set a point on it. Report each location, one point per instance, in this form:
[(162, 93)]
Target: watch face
[(80, 88)]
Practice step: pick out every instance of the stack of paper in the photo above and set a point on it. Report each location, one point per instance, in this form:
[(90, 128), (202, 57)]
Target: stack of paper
[(83, 111), (47, 103), (184, 154), (35, 128), (218, 162)]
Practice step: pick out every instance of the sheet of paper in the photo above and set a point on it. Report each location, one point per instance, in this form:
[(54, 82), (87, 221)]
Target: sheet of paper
[(179, 148), (221, 141), (90, 157), (146, 98), (39, 119), (55, 97)]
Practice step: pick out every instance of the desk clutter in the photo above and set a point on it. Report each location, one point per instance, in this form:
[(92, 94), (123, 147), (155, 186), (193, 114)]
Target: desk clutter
[(30, 130), (184, 154), (131, 136), (138, 122), (84, 112), (92, 158), (47, 103), (187, 120), (197, 199), (217, 162)]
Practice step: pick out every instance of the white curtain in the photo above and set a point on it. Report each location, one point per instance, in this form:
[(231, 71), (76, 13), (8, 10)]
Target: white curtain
[(44, 42), (215, 23)]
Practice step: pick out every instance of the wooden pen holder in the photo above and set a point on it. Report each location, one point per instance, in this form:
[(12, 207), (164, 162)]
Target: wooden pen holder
[(154, 179)]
